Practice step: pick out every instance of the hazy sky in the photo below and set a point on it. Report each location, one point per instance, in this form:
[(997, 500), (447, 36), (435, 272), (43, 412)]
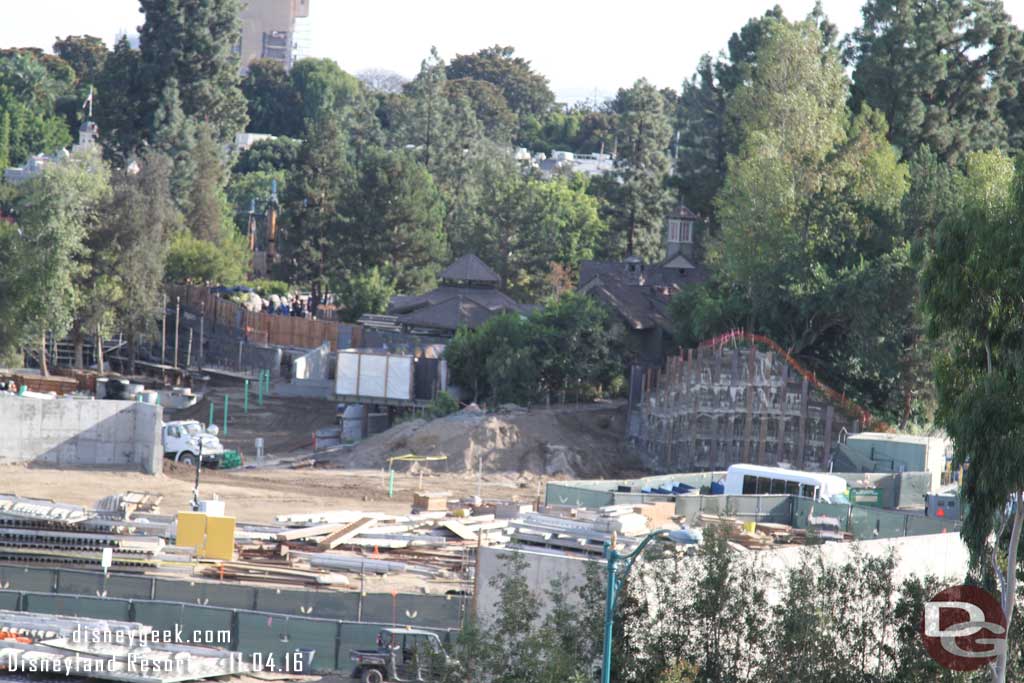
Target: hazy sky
[(582, 46)]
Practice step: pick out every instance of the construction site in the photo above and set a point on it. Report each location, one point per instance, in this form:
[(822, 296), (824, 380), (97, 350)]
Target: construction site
[(283, 488)]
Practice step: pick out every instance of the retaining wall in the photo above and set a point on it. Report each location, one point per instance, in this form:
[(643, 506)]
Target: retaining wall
[(70, 433)]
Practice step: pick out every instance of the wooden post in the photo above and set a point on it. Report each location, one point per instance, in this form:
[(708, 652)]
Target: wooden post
[(163, 333), (188, 351), (177, 317), (202, 319)]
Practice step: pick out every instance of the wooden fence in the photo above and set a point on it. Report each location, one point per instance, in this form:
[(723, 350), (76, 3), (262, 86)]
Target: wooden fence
[(262, 328)]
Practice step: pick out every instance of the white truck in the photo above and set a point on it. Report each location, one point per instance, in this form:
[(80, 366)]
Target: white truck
[(184, 440)]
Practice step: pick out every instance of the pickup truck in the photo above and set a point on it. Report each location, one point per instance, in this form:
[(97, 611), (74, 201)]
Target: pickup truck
[(404, 655), (184, 440)]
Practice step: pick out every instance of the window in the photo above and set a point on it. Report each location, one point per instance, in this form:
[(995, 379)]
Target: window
[(675, 228), (686, 234), (778, 486), (792, 488), (764, 485), (807, 491), (749, 485)]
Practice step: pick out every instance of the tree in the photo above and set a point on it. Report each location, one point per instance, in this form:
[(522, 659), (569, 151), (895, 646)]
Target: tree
[(809, 214), (526, 92), (274, 105), (576, 350), (972, 293), (5, 139), (642, 166), (141, 218), (521, 225), (702, 143), (31, 85), (424, 118), (313, 215), (382, 81), (938, 71), (207, 212), (396, 222), (85, 54), (39, 252), (489, 105), (279, 154), (193, 41), (364, 293), (321, 87), (119, 113), (190, 259)]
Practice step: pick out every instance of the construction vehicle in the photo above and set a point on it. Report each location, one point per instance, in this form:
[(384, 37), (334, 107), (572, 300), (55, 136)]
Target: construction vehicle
[(404, 655), (185, 441)]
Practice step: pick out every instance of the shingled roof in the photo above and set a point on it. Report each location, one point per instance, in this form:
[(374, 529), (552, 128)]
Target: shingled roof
[(469, 268)]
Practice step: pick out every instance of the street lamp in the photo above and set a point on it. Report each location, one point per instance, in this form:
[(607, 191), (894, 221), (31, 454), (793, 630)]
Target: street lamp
[(680, 536)]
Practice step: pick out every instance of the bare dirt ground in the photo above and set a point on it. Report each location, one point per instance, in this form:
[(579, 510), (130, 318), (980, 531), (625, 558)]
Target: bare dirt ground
[(286, 424), (252, 495)]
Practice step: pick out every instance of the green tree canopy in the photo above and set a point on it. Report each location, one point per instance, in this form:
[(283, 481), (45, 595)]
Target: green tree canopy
[(641, 200), (973, 293), (275, 107), (193, 41), (937, 71)]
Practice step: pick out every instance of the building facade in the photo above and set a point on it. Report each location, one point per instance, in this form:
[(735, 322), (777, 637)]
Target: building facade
[(720, 405), (269, 30)]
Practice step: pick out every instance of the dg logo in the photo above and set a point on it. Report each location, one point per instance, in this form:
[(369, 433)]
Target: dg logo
[(963, 628)]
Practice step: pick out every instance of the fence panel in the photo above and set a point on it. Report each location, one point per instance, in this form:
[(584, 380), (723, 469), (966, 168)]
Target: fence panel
[(105, 608), (27, 579), (10, 600)]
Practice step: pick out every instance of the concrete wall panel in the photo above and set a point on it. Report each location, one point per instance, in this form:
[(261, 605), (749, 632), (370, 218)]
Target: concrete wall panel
[(81, 434)]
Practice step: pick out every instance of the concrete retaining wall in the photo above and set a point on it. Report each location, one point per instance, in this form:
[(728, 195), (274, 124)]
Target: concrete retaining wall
[(72, 433)]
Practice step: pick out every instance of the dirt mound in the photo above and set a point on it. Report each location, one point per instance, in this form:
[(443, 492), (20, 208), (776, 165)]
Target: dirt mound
[(560, 442)]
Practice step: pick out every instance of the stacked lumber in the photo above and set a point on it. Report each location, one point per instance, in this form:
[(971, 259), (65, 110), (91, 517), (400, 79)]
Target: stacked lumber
[(579, 531)]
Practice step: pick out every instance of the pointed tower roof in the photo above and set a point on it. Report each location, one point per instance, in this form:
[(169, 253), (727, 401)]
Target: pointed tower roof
[(469, 268)]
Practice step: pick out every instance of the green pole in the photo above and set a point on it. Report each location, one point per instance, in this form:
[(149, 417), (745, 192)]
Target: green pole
[(391, 483), (212, 406), (609, 615), (245, 402), (259, 389), (225, 414)]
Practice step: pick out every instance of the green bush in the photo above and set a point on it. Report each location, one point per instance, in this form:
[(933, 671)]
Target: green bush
[(267, 287), (443, 404)]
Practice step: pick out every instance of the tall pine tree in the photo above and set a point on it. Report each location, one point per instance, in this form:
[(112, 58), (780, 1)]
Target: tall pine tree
[(193, 41), (938, 71)]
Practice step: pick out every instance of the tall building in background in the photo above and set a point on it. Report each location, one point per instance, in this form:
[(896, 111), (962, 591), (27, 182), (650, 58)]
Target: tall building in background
[(269, 31)]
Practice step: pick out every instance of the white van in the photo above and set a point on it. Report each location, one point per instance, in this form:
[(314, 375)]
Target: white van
[(757, 480)]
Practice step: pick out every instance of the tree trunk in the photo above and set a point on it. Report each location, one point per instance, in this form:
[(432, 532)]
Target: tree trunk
[(1009, 592), (79, 349), (99, 350), (42, 358)]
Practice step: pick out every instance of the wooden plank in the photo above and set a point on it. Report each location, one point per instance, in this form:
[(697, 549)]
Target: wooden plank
[(308, 532), (459, 529), (341, 535)]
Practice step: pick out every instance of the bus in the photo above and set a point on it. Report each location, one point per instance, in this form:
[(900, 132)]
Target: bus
[(757, 480)]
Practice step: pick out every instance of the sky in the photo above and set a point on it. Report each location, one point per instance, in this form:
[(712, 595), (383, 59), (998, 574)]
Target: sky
[(586, 48)]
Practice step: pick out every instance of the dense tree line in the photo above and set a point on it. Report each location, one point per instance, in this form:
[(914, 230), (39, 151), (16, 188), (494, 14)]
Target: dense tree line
[(710, 615), (820, 164)]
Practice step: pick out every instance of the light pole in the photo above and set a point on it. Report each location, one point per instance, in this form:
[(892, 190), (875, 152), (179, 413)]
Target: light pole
[(680, 536)]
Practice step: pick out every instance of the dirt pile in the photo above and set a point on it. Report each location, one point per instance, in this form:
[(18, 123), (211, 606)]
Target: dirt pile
[(585, 442)]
